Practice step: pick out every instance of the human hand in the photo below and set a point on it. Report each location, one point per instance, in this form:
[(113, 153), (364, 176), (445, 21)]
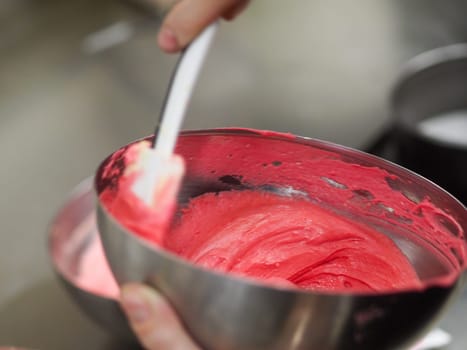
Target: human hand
[(153, 321), (189, 17)]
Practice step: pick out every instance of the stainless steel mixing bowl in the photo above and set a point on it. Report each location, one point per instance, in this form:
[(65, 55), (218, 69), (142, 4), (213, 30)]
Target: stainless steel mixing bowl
[(66, 249), (225, 312)]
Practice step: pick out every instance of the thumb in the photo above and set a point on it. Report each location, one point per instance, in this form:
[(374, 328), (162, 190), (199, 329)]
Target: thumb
[(153, 321), (189, 17)]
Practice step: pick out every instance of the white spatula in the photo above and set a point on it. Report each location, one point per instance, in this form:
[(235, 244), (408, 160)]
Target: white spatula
[(160, 165)]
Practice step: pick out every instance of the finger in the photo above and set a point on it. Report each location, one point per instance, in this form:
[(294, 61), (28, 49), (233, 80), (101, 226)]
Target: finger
[(187, 19), (153, 320), (236, 10)]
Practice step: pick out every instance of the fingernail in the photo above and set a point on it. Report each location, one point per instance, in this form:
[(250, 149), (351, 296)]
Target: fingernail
[(135, 305), (168, 40)]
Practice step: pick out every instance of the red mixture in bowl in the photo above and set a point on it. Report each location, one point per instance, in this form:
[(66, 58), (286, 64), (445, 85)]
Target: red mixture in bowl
[(299, 236), (281, 240)]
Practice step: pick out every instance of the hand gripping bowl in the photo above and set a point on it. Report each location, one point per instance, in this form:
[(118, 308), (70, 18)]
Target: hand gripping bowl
[(224, 312)]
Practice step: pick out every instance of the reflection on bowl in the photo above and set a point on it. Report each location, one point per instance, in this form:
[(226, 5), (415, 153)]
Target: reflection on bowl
[(78, 260)]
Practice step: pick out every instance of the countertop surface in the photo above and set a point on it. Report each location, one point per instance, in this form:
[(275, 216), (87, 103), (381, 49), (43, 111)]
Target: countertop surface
[(69, 97)]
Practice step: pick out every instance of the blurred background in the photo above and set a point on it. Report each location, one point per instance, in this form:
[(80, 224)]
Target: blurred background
[(79, 78)]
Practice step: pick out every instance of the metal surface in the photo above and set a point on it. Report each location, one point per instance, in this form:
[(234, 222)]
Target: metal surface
[(317, 68), (432, 83), (228, 313)]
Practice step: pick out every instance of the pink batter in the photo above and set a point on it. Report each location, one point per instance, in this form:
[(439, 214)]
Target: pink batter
[(279, 240), (287, 241)]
